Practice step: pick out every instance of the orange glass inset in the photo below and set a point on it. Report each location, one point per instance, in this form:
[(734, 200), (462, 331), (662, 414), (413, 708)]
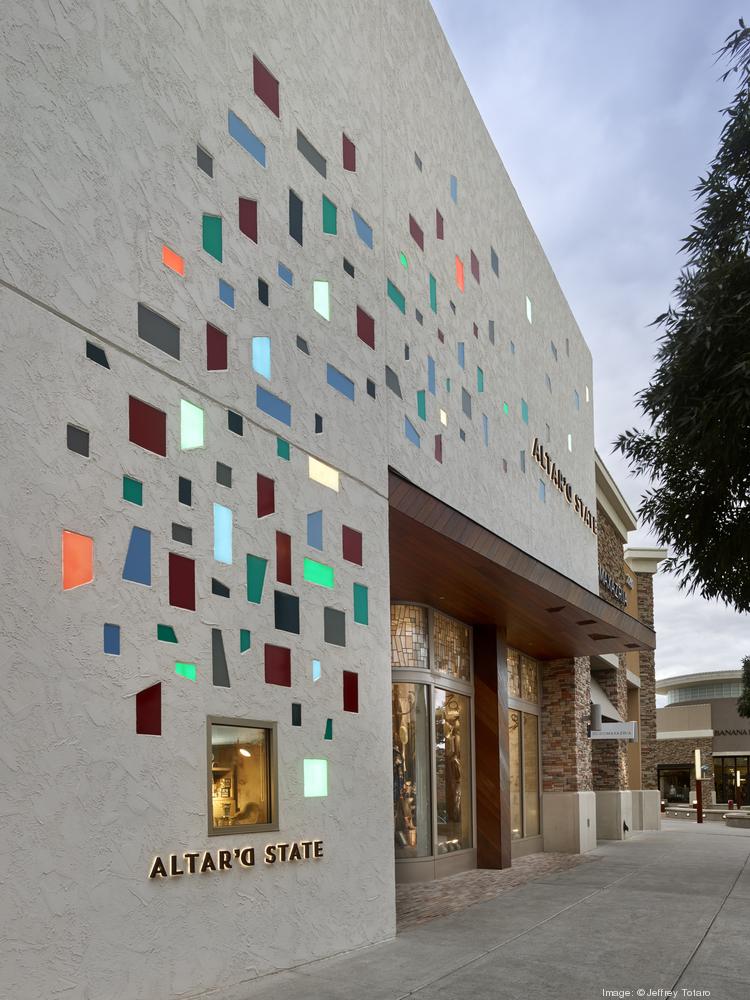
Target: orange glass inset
[(77, 559), (173, 260), (460, 273)]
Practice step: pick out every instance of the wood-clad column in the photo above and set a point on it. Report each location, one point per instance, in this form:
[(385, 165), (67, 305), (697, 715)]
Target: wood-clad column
[(491, 746)]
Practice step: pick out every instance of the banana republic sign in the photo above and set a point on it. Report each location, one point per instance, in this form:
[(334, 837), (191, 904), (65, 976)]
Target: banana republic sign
[(544, 461), (201, 862)]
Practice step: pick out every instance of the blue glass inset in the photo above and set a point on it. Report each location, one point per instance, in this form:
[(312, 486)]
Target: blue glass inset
[(262, 356), (315, 530), (431, 375), (316, 670), (454, 188), (340, 382), (462, 355), (524, 411), (363, 230), (486, 429), (137, 566), (275, 407), (112, 639), (411, 432), (246, 138), (222, 534), (226, 293), (285, 274)]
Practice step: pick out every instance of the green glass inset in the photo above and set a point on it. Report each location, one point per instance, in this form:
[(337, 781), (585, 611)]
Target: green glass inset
[(245, 639), (282, 448), (191, 426), (186, 670), (315, 775), (361, 612), (256, 575), (447, 385), (480, 380), (165, 633), (317, 572), (329, 217), (396, 297), (404, 261), (433, 293), (422, 404), (329, 730), (506, 408), (132, 490), (212, 236)]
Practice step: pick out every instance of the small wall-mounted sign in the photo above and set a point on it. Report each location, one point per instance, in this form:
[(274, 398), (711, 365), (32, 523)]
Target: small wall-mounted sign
[(616, 731), (200, 862), (612, 586)]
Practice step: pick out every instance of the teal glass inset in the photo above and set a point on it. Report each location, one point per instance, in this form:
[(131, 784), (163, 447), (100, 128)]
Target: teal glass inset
[(433, 293), (480, 380), (256, 574), (165, 633), (212, 242), (524, 411), (283, 449), (422, 404), (361, 611), (396, 297), (132, 490), (245, 639), (329, 217)]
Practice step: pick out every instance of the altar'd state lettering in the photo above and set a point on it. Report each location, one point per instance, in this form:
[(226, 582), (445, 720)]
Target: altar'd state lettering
[(544, 461), (197, 862)]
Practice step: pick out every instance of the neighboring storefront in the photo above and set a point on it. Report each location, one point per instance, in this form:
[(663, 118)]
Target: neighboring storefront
[(701, 714), (301, 537)]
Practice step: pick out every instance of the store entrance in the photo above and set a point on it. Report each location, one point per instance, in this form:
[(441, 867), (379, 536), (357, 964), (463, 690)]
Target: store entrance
[(674, 784), (730, 779)]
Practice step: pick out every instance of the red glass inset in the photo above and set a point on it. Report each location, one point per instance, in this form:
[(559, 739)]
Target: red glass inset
[(278, 665), (439, 226), (216, 349), (266, 496), (283, 557), (441, 336), (148, 711), (476, 331), (351, 691), (248, 218), (439, 447), (181, 582), (365, 327), (350, 153), (475, 266), (416, 232), (351, 542), (148, 426), (266, 86)]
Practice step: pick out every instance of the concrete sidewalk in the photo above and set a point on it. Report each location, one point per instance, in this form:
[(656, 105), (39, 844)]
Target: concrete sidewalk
[(667, 911)]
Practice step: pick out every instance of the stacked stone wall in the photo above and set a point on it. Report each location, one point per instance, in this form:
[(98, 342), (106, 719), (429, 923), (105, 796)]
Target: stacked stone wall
[(566, 747)]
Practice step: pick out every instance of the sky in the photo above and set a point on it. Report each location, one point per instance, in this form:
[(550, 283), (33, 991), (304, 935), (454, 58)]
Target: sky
[(605, 115)]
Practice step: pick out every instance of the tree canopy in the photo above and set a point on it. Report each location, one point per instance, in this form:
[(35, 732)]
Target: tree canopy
[(696, 452)]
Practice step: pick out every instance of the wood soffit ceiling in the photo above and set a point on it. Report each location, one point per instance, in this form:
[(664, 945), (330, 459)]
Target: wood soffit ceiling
[(440, 557)]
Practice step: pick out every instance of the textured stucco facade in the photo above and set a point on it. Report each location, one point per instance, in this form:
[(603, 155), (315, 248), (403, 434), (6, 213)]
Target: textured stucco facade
[(104, 106)]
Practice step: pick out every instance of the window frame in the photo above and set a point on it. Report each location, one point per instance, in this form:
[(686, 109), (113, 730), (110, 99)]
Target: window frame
[(273, 776), (523, 707)]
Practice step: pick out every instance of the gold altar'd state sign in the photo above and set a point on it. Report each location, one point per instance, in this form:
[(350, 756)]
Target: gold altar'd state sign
[(202, 862), (544, 461)]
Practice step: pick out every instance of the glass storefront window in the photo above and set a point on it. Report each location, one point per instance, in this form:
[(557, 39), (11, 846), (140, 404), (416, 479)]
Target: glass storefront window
[(453, 771), (411, 771), (452, 652), (529, 679), (514, 673), (409, 636), (725, 779), (516, 812), (531, 774), (674, 783), (242, 770)]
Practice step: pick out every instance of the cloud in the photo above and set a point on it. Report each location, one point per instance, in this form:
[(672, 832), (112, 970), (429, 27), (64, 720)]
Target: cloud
[(605, 116)]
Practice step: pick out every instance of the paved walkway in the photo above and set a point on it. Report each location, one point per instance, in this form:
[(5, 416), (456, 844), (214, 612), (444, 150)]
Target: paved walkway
[(667, 911)]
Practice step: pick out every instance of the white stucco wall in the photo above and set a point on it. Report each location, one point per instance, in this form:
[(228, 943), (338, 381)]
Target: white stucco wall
[(104, 105)]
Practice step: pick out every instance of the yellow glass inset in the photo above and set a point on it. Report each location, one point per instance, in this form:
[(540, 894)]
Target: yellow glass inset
[(452, 647), (409, 636)]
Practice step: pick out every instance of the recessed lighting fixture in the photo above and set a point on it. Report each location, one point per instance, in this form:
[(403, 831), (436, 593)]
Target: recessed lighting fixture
[(245, 752)]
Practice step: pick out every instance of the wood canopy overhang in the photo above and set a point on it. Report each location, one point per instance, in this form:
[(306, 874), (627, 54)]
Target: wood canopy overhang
[(440, 557)]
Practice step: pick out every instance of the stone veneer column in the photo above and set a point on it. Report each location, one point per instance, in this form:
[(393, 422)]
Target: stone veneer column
[(566, 748), (645, 584), (609, 758)]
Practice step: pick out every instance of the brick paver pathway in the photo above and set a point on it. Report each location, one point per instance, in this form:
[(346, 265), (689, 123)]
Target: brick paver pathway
[(423, 901)]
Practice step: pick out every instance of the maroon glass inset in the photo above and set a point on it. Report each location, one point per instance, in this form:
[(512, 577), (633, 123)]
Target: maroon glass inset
[(266, 496), (476, 331), (248, 218), (266, 86), (351, 541), (475, 266), (365, 327), (278, 665), (181, 582), (350, 153), (283, 557), (216, 349), (351, 691), (148, 711), (439, 447), (439, 226), (147, 426), (416, 232)]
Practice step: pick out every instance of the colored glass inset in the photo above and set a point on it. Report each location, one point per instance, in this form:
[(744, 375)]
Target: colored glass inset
[(137, 568), (322, 473), (459, 273), (337, 380), (396, 297), (212, 240), (283, 449), (439, 226), (404, 262), (315, 778), (361, 611), (266, 86), (351, 544), (318, 572), (256, 575), (278, 665), (365, 327), (285, 274), (173, 260), (349, 153), (273, 405), (132, 490), (181, 582), (480, 380), (216, 349), (296, 713), (111, 639), (246, 138), (165, 633), (411, 432), (433, 293), (186, 670), (431, 376), (265, 491), (226, 293), (322, 299), (222, 534), (283, 557), (329, 217), (315, 530), (329, 730), (296, 212), (148, 711), (191, 426), (220, 670), (454, 188), (422, 404), (315, 670), (486, 430), (528, 308), (474, 264), (247, 218), (147, 426), (286, 612), (462, 354), (311, 154), (416, 232), (334, 626), (363, 230), (351, 691), (524, 411), (262, 356), (245, 640)]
